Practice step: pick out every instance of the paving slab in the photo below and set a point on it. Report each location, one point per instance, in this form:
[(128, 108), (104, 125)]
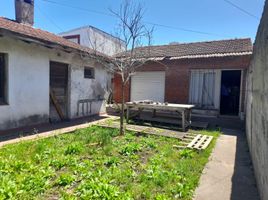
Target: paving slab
[(228, 175)]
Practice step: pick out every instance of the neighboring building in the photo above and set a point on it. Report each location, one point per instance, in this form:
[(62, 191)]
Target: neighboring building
[(96, 39), (44, 77), (210, 75), (257, 106)]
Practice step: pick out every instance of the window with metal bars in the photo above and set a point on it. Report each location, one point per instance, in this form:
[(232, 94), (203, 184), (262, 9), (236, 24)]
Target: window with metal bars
[(89, 72)]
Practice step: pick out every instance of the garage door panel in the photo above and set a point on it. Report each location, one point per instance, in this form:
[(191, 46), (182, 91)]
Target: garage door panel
[(148, 85)]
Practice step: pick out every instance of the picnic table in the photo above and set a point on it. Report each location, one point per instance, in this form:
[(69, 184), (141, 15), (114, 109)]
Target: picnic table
[(183, 110)]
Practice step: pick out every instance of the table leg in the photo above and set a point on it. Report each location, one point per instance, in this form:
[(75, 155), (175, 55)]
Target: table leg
[(139, 113), (154, 112), (183, 120), (127, 114), (190, 117)]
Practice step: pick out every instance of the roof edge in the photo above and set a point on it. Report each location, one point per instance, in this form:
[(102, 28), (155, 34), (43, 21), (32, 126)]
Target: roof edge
[(198, 42)]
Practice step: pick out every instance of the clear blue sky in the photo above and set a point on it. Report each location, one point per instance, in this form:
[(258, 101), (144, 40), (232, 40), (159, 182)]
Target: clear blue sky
[(216, 17)]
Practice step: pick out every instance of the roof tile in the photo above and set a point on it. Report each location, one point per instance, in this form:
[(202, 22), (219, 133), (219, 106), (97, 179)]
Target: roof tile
[(194, 50), (41, 35)]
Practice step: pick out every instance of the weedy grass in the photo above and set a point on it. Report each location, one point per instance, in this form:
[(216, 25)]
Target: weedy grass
[(97, 163)]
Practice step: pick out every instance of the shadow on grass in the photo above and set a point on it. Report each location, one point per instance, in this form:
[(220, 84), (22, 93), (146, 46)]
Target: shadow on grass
[(36, 129)]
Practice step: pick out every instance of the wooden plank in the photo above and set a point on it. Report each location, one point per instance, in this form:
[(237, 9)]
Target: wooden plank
[(200, 142), (160, 106), (205, 145), (189, 137), (194, 141), (55, 103)]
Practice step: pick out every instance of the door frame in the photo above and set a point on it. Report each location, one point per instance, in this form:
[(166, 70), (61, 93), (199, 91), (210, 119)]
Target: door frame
[(68, 88), (240, 92)]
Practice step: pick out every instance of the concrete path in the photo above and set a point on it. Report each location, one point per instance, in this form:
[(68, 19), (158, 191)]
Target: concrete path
[(228, 175)]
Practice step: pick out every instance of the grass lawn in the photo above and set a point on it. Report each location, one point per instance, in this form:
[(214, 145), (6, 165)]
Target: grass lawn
[(96, 163)]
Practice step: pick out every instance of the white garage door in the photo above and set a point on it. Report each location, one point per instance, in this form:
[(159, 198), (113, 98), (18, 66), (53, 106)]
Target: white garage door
[(148, 86)]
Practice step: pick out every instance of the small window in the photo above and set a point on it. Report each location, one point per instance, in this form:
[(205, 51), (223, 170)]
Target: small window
[(89, 72), (2, 78)]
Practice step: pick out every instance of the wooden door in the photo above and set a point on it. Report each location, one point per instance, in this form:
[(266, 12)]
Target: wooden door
[(58, 91)]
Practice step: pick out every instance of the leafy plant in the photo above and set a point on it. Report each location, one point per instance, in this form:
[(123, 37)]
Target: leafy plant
[(8, 188), (151, 144), (186, 153), (73, 149), (112, 161), (104, 137), (57, 164), (130, 149), (95, 189), (65, 179), (182, 190), (162, 197)]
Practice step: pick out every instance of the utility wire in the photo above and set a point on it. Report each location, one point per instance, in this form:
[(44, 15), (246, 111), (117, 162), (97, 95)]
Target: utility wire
[(49, 18), (185, 30), (242, 9), (78, 8), (147, 22)]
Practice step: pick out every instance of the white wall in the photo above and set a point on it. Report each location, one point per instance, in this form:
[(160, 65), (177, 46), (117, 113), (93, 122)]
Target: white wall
[(28, 83), (98, 40), (83, 88)]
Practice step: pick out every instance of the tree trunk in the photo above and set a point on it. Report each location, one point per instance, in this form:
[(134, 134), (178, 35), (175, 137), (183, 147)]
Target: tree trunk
[(122, 114)]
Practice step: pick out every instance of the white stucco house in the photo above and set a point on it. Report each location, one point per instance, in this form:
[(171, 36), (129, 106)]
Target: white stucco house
[(44, 77), (96, 39)]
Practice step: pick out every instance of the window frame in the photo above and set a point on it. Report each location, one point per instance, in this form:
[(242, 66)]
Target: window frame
[(202, 73), (92, 69), (3, 80)]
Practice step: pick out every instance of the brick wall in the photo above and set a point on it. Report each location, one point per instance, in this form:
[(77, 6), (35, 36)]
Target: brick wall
[(178, 75), (117, 93)]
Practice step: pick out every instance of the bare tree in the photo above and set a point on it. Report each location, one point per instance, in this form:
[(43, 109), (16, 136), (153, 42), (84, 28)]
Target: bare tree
[(96, 43), (133, 31)]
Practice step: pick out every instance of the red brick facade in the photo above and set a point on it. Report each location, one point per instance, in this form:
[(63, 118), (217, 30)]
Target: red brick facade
[(178, 75)]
